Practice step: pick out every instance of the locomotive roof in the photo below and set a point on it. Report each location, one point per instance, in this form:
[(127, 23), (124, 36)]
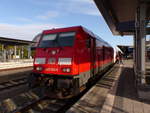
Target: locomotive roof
[(76, 28), (95, 36)]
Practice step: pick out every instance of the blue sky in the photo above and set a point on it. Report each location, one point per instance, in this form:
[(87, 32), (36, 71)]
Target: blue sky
[(23, 19)]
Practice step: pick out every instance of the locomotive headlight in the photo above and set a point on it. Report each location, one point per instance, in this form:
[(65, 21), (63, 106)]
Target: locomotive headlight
[(66, 70), (51, 61), (39, 68), (40, 60), (65, 61)]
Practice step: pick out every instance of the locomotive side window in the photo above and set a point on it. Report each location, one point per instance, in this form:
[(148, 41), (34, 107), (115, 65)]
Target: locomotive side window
[(88, 43), (57, 40)]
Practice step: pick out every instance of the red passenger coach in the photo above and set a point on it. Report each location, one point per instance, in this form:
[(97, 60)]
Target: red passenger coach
[(67, 58)]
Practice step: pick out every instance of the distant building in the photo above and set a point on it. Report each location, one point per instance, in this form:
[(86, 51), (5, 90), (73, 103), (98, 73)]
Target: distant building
[(11, 49), (127, 50)]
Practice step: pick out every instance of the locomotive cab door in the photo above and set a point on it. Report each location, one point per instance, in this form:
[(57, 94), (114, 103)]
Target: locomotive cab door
[(93, 56)]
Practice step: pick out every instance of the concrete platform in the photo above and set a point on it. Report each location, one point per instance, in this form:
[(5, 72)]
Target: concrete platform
[(114, 93), (16, 64)]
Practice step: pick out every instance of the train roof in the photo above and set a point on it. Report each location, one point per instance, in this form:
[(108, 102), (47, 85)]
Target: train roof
[(95, 36), (76, 28), (73, 28)]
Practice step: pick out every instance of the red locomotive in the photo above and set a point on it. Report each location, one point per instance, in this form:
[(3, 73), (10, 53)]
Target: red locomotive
[(67, 58)]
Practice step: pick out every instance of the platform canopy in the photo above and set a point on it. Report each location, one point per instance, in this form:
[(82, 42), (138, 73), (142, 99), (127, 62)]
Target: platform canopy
[(120, 15), (10, 41)]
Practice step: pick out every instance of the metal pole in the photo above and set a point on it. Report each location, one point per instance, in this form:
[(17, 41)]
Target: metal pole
[(134, 52), (29, 51), (15, 51), (19, 53), (137, 45), (141, 35), (4, 53), (22, 52), (142, 40)]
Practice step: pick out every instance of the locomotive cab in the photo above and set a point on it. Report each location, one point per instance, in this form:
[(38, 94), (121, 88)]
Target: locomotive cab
[(55, 54), (55, 62)]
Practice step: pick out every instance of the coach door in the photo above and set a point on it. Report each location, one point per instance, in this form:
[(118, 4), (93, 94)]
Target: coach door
[(93, 56)]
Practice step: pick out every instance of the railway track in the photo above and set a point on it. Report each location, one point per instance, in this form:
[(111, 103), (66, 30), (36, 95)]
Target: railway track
[(42, 105), (16, 68), (31, 102), (13, 83)]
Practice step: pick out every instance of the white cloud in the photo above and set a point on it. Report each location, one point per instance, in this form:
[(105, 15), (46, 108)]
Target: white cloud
[(40, 2), (48, 14), (22, 19), (24, 32), (86, 7), (83, 1), (87, 10)]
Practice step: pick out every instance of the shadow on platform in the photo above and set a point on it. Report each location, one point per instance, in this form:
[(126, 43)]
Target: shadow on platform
[(126, 97)]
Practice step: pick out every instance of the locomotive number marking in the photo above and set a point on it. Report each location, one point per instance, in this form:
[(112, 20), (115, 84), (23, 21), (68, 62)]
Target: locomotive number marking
[(51, 69)]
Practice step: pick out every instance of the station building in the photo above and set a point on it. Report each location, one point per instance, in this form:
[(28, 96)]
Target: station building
[(14, 49)]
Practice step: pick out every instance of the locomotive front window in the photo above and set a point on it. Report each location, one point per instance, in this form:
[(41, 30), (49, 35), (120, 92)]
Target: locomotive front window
[(66, 39), (49, 37), (57, 40), (48, 40)]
